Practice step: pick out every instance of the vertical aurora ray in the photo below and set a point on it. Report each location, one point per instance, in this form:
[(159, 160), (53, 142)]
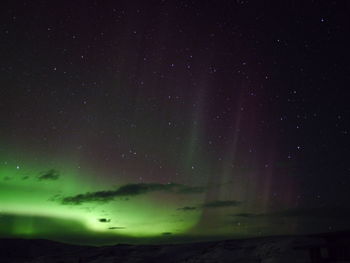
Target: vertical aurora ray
[(140, 121), (31, 194)]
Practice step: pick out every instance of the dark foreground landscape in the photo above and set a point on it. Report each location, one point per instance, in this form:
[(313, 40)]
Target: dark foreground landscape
[(331, 247)]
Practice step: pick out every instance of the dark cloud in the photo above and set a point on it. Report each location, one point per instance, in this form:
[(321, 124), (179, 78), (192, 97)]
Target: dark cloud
[(102, 196), (130, 190), (247, 215), (220, 203), (116, 227), (49, 175), (213, 204), (104, 220), (335, 212), (187, 208), (138, 189)]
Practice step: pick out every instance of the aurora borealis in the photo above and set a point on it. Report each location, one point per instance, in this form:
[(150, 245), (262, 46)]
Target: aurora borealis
[(172, 121)]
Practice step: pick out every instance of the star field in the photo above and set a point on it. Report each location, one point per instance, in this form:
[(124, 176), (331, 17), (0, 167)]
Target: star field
[(213, 120)]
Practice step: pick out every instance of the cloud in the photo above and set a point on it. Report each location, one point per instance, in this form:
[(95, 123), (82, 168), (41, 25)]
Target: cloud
[(220, 203), (130, 190), (138, 189), (100, 196), (213, 204), (104, 220), (167, 233), (335, 212), (187, 208), (116, 227), (49, 175), (247, 215)]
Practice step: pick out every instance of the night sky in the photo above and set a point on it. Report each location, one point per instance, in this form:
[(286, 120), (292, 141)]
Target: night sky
[(172, 121)]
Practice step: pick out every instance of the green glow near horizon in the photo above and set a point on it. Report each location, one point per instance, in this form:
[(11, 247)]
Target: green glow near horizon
[(33, 208), (25, 197)]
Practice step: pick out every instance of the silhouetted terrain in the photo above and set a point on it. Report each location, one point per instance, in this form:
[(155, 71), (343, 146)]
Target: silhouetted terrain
[(331, 247)]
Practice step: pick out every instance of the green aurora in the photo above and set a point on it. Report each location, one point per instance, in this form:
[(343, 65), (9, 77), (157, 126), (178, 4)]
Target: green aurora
[(30, 192), (176, 121), (56, 200)]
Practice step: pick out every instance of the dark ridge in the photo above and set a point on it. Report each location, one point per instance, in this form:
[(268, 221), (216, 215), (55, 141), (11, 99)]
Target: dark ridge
[(314, 248)]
